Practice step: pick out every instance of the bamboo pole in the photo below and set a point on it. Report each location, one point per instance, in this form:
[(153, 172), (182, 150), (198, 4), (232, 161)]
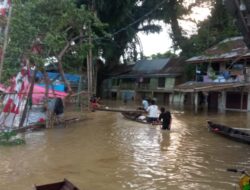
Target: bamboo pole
[(90, 68), (241, 98)]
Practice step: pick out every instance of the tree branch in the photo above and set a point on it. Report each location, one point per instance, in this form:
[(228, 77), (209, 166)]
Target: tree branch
[(59, 64)]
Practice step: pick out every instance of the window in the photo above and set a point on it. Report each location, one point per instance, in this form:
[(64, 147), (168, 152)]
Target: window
[(115, 82), (161, 82), (146, 80)]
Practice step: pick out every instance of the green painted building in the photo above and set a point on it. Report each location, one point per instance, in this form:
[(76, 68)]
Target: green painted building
[(151, 78)]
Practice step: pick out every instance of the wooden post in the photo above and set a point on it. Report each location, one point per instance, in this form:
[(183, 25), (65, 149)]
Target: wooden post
[(192, 100), (196, 101), (172, 98), (206, 102), (241, 98), (180, 96), (78, 100), (89, 63)]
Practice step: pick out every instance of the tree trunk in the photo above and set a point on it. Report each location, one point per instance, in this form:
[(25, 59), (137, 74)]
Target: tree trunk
[(61, 71), (60, 67), (29, 98)]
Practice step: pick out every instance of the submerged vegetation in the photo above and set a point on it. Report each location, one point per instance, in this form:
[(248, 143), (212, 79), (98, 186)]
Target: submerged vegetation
[(10, 138)]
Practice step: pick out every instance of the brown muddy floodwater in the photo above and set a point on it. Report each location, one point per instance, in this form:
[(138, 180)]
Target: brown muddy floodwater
[(108, 152)]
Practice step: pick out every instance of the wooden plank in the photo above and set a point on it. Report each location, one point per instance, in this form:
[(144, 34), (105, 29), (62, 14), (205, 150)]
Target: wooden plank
[(243, 129)]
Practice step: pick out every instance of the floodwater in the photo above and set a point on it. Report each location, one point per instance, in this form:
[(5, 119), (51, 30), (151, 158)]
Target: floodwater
[(107, 152)]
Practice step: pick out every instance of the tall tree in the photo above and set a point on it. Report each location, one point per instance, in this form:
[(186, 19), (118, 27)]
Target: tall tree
[(218, 26), (58, 26), (126, 18)]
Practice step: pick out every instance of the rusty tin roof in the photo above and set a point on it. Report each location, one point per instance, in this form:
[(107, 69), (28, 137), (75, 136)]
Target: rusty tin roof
[(227, 49)]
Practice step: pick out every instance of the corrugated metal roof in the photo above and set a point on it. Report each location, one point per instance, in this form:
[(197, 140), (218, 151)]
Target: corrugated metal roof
[(150, 66), (193, 86), (170, 67), (226, 49)]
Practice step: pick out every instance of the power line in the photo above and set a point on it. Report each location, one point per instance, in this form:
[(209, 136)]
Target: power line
[(139, 19), (136, 21)]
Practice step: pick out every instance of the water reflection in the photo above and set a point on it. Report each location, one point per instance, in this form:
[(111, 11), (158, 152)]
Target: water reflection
[(109, 152)]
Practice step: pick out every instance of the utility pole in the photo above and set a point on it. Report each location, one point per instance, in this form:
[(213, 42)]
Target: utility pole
[(90, 61), (89, 65), (90, 57)]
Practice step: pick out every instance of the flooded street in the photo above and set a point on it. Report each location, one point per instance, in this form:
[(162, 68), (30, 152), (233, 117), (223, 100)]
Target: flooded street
[(107, 152)]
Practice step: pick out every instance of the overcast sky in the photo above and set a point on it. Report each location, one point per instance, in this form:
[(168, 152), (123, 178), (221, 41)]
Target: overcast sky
[(161, 43)]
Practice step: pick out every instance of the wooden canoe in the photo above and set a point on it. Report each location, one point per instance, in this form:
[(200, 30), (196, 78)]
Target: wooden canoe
[(230, 132), (63, 185), (134, 116), (108, 109)]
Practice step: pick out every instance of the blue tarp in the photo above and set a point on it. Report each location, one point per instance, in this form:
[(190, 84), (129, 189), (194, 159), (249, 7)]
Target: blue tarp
[(57, 87), (72, 78)]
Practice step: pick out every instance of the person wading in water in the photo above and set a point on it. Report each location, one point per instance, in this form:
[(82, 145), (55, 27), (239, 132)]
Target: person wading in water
[(165, 117)]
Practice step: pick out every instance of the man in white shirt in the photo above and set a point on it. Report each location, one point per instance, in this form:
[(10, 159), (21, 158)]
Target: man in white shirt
[(153, 112)]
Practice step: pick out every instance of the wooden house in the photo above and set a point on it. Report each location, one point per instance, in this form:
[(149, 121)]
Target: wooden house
[(222, 77), (151, 78)]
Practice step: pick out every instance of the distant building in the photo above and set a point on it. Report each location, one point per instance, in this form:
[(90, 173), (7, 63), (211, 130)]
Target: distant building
[(222, 77), (151, 78)]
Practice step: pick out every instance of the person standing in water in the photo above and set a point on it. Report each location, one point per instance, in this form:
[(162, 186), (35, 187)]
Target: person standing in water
[(153, 113), (165, 117)]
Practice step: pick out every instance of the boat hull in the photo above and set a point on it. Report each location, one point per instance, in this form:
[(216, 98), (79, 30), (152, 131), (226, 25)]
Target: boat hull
[(65, 184), (230, 132), (134, 116)]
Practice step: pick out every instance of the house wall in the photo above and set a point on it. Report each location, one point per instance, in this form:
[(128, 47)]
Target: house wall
[(133, 90), (107, 89), (153, 83), (212, 100), (235, 70), (128, 95), (127, 84), (162, 94), (222, 101), (159, 97), (233, 100), (177, 98), (169, 83), (227, 99)]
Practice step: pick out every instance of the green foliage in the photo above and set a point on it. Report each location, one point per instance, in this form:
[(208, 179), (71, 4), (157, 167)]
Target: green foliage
[(57, 22), (125, 19), (164, 55), (9, 138), (217, 27), (190, 72), (52, 25)]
